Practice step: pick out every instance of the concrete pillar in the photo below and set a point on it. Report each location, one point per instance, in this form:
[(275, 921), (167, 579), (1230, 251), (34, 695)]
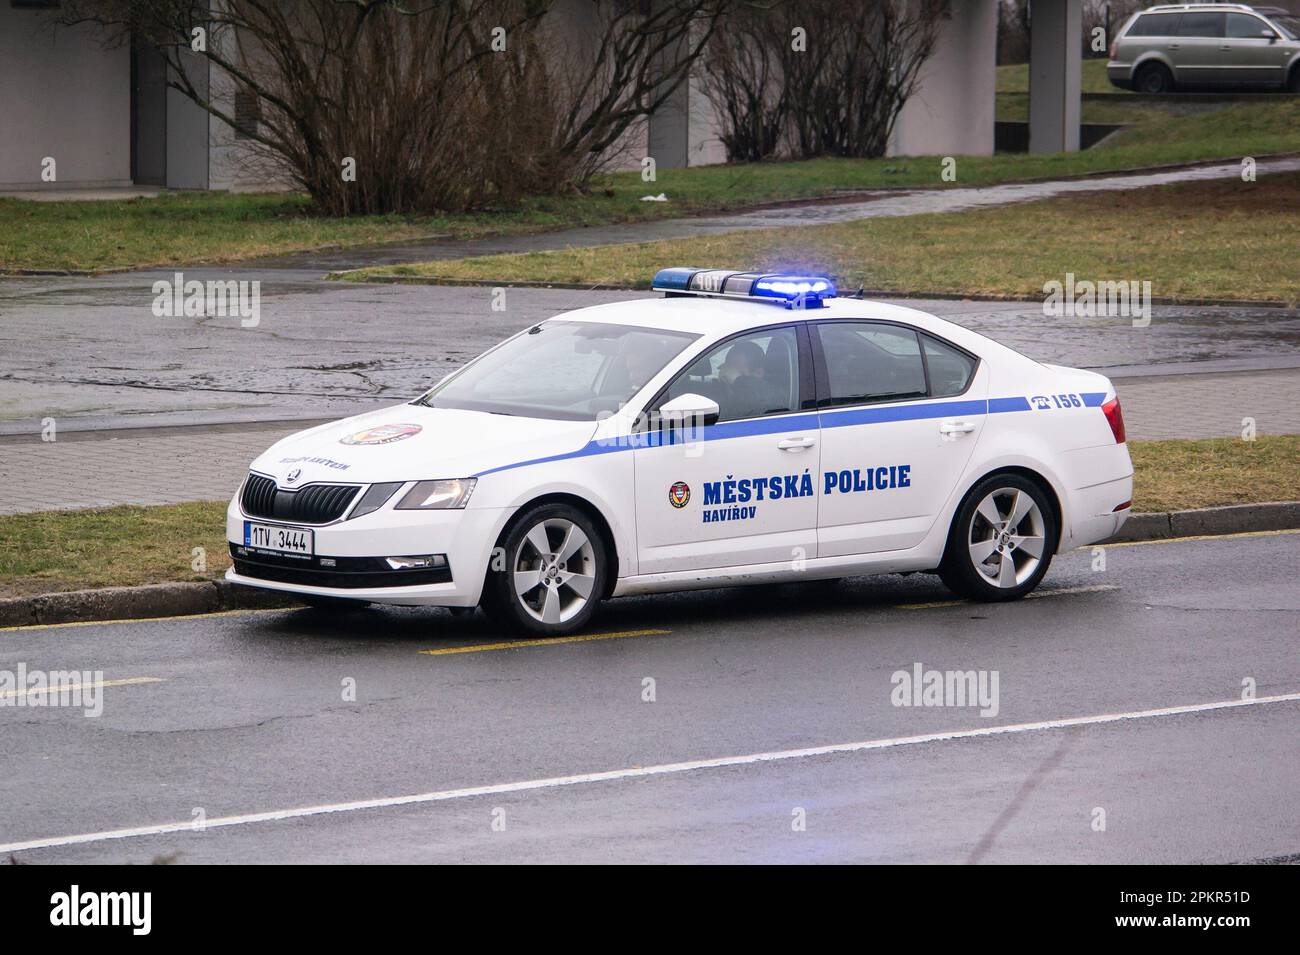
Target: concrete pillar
[(1055, 61), (187, 129), (951, 111)]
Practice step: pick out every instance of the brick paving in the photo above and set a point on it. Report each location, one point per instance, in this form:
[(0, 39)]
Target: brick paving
[(95, 470)]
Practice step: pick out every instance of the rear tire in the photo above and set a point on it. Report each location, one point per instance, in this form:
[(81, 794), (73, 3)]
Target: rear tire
[(1001, 541), (554, 574), (1154, 78)]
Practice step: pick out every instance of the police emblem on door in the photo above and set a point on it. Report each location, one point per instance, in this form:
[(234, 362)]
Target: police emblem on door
[(679, 494)]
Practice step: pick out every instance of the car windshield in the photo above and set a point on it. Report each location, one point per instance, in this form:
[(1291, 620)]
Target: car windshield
[(574, 371)]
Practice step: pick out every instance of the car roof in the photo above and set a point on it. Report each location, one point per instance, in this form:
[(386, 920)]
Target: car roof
[(1211, 8), (719, 317)]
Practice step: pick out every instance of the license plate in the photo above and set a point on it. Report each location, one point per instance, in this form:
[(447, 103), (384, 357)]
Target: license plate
[(282, 540)]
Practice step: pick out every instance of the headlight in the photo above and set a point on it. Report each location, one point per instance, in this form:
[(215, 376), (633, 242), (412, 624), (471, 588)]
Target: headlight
[(438, 495)]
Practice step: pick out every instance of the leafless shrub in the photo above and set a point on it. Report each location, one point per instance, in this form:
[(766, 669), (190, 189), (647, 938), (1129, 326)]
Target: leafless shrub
[(743, 76), (835, 91)]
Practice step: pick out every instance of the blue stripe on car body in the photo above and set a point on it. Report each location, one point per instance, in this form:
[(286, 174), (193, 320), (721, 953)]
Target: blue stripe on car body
[(753, 427)]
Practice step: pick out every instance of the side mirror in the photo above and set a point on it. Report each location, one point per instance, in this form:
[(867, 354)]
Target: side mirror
[(689, 409)]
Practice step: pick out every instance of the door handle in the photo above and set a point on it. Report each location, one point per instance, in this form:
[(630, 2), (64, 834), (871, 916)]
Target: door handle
[(957, 427), (795, 444)]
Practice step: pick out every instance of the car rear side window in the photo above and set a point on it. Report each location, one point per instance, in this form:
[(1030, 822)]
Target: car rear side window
[(1201, 24), (1155, 24), (871, 361), (1242, 25), (950, 369)]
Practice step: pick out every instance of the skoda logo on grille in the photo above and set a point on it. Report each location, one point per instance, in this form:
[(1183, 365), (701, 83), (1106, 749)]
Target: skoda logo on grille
[(293, 475)]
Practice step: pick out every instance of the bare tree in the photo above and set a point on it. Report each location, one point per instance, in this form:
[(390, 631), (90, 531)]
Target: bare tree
[(866, 56), (744, 80), (828, 77), (433, 104)]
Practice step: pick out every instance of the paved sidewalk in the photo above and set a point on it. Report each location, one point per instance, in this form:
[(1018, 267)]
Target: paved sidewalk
[(888, 203), (186, 464)]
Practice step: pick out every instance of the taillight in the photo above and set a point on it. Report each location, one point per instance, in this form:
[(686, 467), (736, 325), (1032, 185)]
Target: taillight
[(1115, 418), (1114, 44)]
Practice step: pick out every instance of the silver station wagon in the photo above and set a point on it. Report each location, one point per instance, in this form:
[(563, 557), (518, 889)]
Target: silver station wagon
[(1201, 45)]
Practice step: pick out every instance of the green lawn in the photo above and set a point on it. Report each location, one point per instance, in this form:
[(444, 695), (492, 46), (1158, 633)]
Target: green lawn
[(123, 546), (1014, 78), (1222, 239), (215, 227)]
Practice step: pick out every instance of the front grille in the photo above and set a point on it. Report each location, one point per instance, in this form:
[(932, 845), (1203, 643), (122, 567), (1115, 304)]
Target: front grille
[(347, 573), (312, 504)]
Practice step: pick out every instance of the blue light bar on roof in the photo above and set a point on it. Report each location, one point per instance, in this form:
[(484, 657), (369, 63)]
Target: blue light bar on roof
[(793, 290)]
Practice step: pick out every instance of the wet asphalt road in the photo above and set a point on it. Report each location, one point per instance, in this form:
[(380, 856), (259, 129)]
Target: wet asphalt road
[(90, 353), (248, 716)]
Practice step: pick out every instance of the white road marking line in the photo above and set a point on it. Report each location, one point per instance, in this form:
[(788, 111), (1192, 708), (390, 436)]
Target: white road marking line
[(70, 687), (636, 772)]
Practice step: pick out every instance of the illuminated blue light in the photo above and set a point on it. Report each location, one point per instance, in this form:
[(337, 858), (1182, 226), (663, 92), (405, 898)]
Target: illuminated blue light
[(789, 289)]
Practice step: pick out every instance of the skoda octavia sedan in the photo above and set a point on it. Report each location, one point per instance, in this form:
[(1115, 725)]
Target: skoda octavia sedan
[(742, 429)]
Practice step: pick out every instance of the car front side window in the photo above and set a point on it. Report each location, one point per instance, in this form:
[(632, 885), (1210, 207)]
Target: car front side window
[(749, 376)]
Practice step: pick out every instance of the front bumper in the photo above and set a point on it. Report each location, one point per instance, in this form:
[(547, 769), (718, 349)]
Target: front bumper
[(1120, 74), (463, 539)]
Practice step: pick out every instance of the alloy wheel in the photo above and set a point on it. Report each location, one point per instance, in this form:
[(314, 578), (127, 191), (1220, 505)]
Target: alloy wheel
[(554, 570), (1006, 537)]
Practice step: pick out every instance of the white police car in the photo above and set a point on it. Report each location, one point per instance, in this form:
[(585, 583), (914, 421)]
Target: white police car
[(743, 429)]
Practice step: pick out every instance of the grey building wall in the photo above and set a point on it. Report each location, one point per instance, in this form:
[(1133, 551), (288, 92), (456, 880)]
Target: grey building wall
[(61, 95)]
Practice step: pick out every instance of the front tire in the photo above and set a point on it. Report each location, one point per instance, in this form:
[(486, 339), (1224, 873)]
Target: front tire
[(554, 572), (1154, 78), (1002, 540)]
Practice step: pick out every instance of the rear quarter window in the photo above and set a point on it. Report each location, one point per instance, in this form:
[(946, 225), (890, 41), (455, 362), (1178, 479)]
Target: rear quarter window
[(1155, 24), (950, 369)]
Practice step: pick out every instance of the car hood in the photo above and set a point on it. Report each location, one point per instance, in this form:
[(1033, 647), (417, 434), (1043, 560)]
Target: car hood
[(412, 443)]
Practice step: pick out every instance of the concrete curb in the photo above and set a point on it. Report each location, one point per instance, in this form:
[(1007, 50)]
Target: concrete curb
[(1233, 519), (130, 603), (176, 600)]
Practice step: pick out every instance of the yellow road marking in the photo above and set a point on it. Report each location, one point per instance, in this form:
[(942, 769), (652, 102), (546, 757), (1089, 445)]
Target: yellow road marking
[(1060, 591), (516, 644), (71, 687), (179, 616), (1202, 537)]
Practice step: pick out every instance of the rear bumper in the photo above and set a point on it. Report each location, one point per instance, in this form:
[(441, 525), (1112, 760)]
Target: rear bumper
[(1120, 74), (1100, 480), (1095, 515)]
